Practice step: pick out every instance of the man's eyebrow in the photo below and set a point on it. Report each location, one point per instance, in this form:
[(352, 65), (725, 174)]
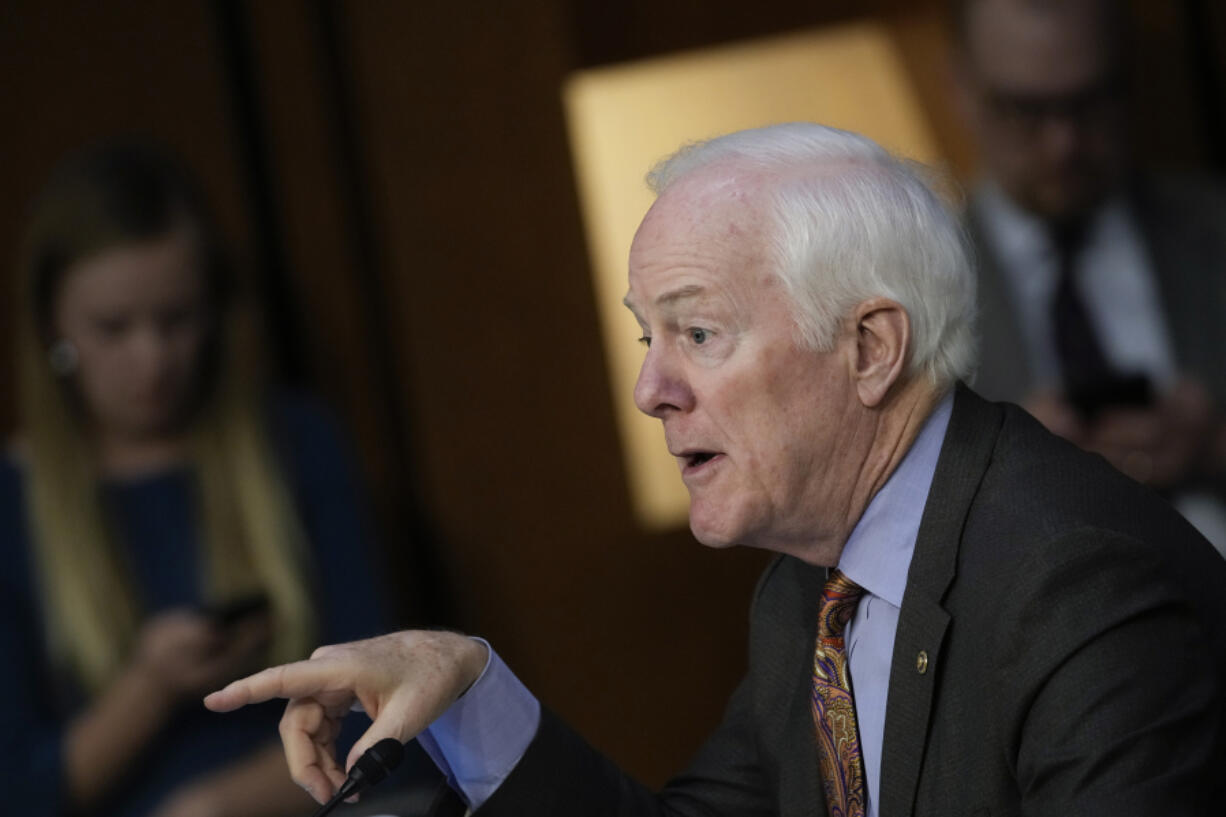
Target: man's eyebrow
[(670, 297)]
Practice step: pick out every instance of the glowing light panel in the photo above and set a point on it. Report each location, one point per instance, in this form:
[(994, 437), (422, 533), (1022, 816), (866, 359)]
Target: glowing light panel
[(624, 118)]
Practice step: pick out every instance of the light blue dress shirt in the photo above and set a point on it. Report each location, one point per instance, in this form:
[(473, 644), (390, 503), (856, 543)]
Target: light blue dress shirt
[(479, 739), (877, 557)]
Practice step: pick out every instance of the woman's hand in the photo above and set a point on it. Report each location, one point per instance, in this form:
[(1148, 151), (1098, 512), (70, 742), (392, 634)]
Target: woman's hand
[(187, 654)]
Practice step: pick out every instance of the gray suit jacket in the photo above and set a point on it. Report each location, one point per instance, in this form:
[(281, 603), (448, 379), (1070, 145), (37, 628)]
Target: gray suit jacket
[(1075, 633), (1183, 227)]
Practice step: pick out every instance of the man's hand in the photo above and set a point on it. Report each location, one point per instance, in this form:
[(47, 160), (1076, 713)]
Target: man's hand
[(1162, 445), (404, 681)]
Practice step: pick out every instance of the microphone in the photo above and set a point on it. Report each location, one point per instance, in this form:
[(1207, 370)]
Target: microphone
[(374, 765)]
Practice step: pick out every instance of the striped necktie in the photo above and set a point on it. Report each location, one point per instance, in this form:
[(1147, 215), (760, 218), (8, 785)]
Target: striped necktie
[(834, 710)]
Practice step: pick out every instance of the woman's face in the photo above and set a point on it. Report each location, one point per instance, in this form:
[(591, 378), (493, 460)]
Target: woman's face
[(137, 315)]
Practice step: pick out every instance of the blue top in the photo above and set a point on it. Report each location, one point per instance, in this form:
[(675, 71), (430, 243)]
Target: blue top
[(155, 516)]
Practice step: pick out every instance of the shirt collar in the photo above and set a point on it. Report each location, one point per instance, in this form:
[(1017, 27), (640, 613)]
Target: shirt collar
[(1022, 237), (878, 553)]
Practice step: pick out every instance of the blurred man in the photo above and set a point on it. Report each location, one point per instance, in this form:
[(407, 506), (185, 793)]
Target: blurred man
[(1101, 291), (968, 615)]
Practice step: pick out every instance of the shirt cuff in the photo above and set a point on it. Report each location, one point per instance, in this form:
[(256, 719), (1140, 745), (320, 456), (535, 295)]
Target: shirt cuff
[(479, 739)]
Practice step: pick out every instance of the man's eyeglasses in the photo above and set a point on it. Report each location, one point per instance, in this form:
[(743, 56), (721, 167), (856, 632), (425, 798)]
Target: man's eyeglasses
[(1027, 113)]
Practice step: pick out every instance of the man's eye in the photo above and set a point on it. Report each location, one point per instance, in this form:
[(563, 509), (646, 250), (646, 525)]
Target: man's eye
[(645, 340), (699, 336)]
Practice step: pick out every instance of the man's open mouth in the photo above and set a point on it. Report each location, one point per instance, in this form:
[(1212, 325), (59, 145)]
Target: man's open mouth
[(698, 458)]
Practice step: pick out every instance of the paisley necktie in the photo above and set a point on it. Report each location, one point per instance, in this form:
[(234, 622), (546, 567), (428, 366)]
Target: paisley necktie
[(834, 711)]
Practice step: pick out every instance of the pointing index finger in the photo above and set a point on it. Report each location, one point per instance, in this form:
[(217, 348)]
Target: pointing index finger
[(300, 679)]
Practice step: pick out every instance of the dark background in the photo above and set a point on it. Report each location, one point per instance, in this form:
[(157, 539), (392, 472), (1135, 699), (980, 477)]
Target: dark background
[(396, 178)]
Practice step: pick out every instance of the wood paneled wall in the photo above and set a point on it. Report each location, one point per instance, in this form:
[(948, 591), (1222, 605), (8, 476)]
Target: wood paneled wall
[(412, 163)]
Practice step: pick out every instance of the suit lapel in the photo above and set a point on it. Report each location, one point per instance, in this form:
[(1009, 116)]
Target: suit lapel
[(922, 622)]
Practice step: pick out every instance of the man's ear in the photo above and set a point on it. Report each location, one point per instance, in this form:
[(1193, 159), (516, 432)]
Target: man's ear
[(883, 346)]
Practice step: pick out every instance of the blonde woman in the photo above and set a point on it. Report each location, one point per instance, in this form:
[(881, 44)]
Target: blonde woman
[(164, 526)]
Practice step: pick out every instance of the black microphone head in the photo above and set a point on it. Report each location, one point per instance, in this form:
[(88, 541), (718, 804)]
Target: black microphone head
[(377, 761), (374, 765)]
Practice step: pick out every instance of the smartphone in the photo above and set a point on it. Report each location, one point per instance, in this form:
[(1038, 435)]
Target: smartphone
[(229, 613), (1090, 399)]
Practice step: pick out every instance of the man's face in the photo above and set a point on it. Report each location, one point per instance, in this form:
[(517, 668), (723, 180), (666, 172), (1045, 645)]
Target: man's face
[(1043, 91), (752, 417)]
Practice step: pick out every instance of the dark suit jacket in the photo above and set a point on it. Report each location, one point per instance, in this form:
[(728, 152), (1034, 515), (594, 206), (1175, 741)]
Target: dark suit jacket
[(1074, 631)]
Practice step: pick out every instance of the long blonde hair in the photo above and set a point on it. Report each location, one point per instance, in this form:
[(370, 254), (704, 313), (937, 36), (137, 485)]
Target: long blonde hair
[(251, 534)]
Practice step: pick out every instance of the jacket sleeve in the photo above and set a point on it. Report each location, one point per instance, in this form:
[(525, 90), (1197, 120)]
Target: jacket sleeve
[(561, 774), (1118, 706)]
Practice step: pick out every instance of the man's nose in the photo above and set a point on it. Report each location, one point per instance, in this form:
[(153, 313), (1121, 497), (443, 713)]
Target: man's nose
[(1061, 135), (662, 387)]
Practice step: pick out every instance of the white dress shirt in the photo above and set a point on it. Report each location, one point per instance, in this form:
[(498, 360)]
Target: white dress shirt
[(1114, 277)]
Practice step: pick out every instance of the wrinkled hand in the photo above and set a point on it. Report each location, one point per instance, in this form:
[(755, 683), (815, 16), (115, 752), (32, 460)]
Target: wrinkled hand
[(404, 681), (188, 654), (1161, 445)]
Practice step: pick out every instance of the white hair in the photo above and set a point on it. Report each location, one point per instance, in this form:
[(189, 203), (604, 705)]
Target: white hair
[(852, 222)]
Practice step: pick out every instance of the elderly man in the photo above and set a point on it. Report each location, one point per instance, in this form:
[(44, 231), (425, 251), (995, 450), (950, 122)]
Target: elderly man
[(968, 615)]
